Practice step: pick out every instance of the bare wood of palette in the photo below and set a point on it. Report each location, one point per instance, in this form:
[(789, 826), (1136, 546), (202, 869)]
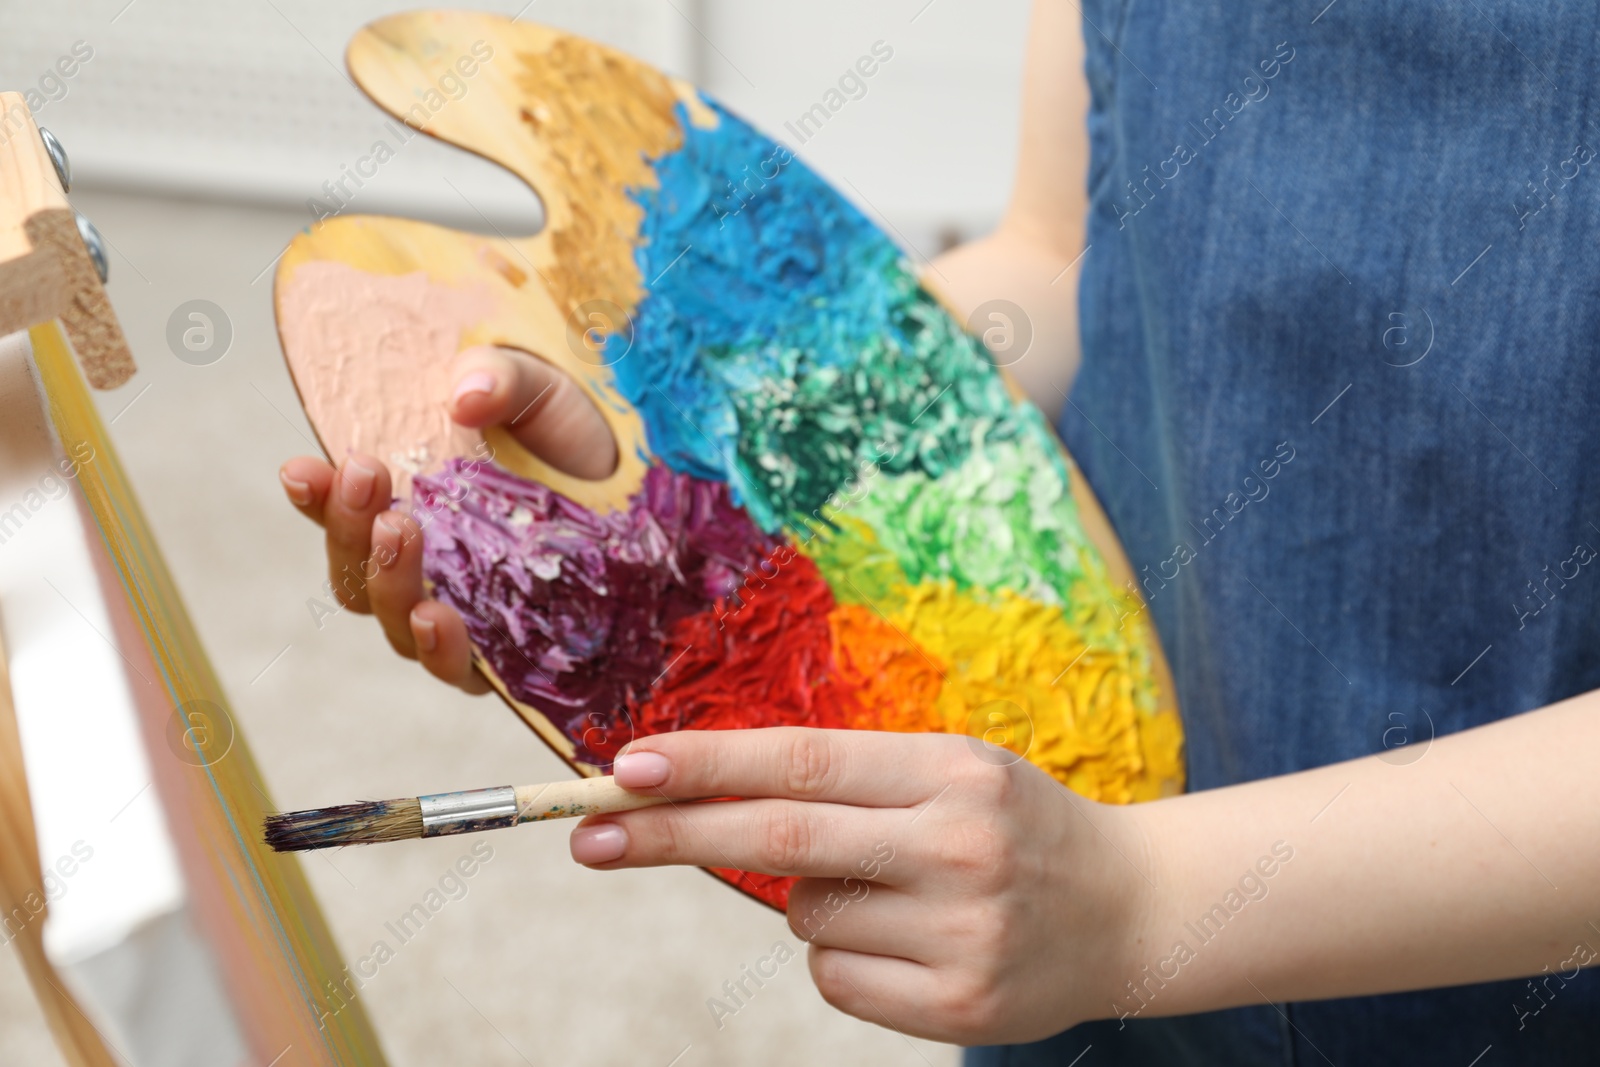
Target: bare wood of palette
[(394, 61)]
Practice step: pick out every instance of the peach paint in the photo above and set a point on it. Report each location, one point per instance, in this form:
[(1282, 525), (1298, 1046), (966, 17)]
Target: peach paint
[(371, 355)]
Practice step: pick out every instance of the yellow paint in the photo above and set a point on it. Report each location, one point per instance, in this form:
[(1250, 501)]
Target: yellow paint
[(1073, 710), (601, 118)]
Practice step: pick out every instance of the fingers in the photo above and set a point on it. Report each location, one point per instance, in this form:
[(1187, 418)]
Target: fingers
[(541, 406), (375, 555), (306, 481), (396, 587), (766, 836), (380, 570), (890, 992), (859, 915), (440, 638), (360, 490), (418, 628), (843, 766)]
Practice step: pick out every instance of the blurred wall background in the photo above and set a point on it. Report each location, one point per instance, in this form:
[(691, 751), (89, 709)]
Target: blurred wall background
[(247, 100), (198, 131)]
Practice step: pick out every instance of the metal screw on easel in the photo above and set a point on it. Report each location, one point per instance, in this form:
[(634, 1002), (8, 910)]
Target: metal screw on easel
[(91, 236), (95, 244), (58, 156)]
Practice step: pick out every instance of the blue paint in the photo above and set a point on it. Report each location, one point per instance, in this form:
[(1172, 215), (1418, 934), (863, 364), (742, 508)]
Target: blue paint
[(785, 345)]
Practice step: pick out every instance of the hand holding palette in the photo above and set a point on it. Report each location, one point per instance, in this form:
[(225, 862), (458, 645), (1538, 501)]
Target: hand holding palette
[(831, 509)]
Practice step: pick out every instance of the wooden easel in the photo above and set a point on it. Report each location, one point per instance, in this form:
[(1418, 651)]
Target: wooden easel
[(252, 909), (45, 270), (45, 273)]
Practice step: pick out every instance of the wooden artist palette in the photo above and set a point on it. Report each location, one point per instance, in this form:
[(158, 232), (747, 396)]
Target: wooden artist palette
[(832, 508)]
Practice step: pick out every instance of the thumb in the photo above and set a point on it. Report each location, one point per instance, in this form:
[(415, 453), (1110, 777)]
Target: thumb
[(540, 405)]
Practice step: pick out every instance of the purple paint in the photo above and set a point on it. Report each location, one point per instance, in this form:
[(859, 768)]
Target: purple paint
[(572, 608)]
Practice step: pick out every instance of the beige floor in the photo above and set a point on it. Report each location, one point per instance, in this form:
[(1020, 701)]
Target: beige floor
[(541, 961)]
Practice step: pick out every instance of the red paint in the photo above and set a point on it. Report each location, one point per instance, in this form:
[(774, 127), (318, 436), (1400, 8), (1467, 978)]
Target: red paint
[(764, 658), (768, 888)]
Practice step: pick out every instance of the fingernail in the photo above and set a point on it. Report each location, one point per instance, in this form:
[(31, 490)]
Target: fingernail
[(299, 492), (385, 541), (355, 484), (425, 632), (476, 382), (599, 844), (641, 770)]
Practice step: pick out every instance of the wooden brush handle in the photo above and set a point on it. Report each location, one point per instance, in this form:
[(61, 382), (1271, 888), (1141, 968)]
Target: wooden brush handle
[(583, 796)]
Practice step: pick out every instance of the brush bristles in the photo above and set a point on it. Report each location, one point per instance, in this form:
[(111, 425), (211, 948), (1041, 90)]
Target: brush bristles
[(369, 822)]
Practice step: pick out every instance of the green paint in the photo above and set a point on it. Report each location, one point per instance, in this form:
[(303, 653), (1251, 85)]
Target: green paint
[(910, 402), (1003, 518), (857, 566)]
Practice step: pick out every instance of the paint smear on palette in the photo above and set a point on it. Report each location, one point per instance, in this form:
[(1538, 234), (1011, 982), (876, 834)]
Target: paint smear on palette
[(390, 340)]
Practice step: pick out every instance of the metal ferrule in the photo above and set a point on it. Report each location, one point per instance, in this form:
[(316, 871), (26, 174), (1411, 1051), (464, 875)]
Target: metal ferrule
[(468, 811)]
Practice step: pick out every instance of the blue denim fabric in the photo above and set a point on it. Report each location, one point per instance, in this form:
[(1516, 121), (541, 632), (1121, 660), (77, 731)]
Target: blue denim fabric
[(1381, 262)]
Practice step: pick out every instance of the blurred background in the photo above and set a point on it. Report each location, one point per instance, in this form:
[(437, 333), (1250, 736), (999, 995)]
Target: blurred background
[(198, 132)]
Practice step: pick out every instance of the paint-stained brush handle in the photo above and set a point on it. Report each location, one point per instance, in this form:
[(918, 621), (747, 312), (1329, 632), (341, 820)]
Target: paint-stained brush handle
[(502, 806), (582, 796)]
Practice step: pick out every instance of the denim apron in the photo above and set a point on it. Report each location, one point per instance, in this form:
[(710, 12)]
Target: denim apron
[(1340, 318)]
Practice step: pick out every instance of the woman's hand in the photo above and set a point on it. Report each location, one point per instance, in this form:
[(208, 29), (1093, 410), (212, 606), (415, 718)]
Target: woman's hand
[(375, 552), (948, 889), (950, 896)]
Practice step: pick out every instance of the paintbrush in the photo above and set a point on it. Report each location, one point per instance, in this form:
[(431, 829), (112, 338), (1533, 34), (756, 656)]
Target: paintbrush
[(442, 814)]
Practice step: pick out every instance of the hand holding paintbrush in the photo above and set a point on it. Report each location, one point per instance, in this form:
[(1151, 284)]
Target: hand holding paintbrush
[(442, 814)]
